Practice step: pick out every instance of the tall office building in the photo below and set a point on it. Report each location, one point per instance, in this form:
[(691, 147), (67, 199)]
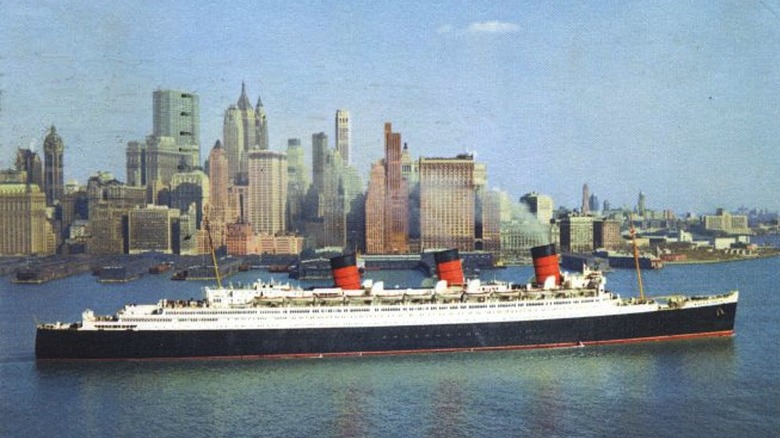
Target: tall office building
[(297, 184), (577, 234), (29, 162), (641, 208), (54, 179), (343, 135), (606, 234), (593, 202), (152, 229), (448, 202), (319, 157), (267, 191), (585, 207), (135, 163), (396, 196), (233, 136), (244, 129), (219, 180), (375, 210), (176, 114), (261, 125), (24, 227)]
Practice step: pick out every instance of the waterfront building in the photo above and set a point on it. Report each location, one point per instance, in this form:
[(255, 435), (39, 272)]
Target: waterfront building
[(240, 238), (151, 229), (30, 162), (726, 222), (25, 227), (107, 224), (278, 245), (267, 191), (606, 234), (343, 136), (448, 192), (576, 234), (54, 178)]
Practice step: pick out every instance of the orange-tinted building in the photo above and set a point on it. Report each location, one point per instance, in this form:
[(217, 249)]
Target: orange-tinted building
[(396, 196)]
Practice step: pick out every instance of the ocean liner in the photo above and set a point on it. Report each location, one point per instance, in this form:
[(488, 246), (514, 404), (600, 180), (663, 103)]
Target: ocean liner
[(272, 320)]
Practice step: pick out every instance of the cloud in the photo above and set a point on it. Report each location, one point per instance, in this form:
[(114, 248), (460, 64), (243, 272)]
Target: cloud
[(492, 27)]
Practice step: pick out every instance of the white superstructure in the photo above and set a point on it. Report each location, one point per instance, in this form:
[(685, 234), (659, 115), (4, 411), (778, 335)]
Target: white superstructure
[(282, 306)]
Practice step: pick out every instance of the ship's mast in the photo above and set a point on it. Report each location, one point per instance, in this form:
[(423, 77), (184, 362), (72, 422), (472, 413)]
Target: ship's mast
[(636, 257), (213, 253)]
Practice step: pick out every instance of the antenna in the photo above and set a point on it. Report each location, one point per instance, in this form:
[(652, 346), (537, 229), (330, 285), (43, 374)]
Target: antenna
[(636, 257), (213, 254)]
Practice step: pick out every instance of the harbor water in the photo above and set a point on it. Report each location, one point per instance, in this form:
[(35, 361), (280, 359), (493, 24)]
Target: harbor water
[(704, 387)]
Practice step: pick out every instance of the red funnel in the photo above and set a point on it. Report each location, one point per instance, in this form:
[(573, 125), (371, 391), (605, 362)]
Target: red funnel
[(448, 267), (345, 272), (545, 264)]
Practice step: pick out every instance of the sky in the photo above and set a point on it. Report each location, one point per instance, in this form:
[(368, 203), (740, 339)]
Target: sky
[(677, 99)]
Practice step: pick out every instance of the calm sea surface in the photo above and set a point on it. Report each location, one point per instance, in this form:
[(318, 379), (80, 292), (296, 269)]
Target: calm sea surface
[(713, 387)]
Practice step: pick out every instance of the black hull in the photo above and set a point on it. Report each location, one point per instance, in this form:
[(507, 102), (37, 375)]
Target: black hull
[(658, 325)]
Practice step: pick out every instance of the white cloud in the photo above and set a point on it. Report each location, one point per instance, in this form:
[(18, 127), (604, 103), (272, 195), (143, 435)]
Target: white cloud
[(492, 27)]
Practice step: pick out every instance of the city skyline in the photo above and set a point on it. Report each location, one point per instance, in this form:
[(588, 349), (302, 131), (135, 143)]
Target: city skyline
[(644, 97)]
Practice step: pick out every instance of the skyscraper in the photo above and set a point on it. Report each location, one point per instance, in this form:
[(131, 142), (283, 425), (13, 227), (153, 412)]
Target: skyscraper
[(261, 126), (297, 183), (397, 196), (29, 162), (219, 180), (448, 202), (343, 135), (233, 136), (375, 210), (135, 163), (176, 114), (577, 234), (585, 208), (244, 129), (54, 179), (319, 156), (267, 191), (640, 205)]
